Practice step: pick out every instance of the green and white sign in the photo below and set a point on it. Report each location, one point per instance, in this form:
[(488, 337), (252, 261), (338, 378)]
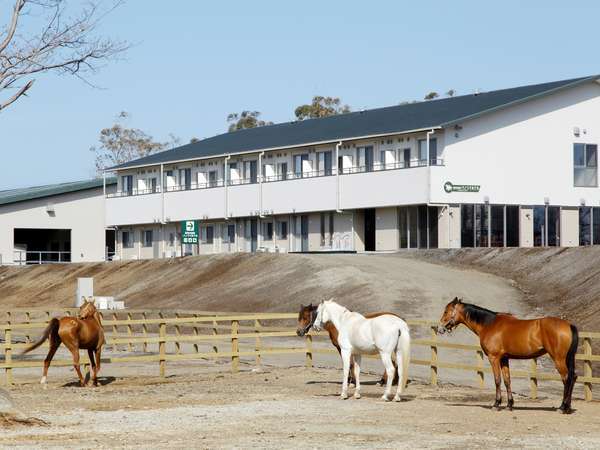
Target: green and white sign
[(450, 187), (189, 232)]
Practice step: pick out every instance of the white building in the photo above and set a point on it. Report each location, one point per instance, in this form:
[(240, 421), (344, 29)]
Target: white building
[(55, 223), (514, 167)]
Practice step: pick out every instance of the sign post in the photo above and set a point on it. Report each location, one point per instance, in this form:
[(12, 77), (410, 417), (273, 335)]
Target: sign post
[(189, 233)]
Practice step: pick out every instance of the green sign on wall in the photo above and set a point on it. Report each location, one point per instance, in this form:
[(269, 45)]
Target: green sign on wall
[(450, 187), (189, 232)]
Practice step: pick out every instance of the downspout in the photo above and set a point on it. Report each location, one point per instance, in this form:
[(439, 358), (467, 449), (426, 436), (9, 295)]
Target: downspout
[(104, 183), (337, 178), (260, 192), (226, 184), (162, 193), (429, 133)]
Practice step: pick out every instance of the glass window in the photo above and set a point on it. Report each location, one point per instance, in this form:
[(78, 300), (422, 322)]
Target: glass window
[(412, 227), (585, 165), (171, 239), (283, 230), (268, 231), (231, 233), (539, 226), (403, 225), (422, 226), (596, 226), (497, 223), (553, 226), (467, 228), (126, 238), (210, 234), (433, 226), (482, 224), (147, 238), (512, 226), (585, 225)]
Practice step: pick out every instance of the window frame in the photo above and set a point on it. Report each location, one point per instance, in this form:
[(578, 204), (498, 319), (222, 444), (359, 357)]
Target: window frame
[(585, 167)]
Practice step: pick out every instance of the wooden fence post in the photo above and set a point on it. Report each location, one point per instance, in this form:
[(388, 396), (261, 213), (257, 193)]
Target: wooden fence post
[(115, 332), (235, 358), (215, 332), (434, 356), (27, 320), (533, 379), (8, 355), (480, 373), (309, 350), (162, 333), (257, 342), (196, 333), (130, 347), (145, 332), (587, 368), (177, 333)]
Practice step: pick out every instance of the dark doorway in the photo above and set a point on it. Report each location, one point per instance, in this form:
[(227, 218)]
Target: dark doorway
[(110, 244), (41, 246), (304, 233), (370, 230), (253, 235), (512, 226)]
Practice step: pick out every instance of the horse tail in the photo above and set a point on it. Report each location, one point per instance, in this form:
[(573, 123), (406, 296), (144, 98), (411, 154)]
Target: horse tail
[(571, 355), (51, 332), (403, 359)]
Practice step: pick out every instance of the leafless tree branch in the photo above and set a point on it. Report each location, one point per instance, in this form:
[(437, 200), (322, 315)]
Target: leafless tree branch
[(67, 45)]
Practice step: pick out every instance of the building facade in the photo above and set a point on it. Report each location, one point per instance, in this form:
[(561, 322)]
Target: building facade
[(515, 167), (55, 223)]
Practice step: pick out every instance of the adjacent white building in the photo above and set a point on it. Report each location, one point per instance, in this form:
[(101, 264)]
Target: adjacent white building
[(55, 223), (514, 167)]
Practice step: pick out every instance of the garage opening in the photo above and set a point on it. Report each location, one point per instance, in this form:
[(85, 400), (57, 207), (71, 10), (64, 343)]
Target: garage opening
[(370, 228), (42, 246)]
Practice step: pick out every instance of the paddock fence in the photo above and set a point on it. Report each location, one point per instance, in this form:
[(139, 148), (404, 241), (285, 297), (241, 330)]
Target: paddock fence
[(160, 337)]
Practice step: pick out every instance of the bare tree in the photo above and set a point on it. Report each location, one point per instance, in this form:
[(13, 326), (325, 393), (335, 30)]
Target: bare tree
[(62, 44), (120, 144)]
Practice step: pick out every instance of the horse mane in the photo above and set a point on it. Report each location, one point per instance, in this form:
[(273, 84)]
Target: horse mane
[(478, 314)]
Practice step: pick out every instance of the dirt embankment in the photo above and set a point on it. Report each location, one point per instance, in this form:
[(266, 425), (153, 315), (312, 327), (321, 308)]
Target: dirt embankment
[(561, 281)]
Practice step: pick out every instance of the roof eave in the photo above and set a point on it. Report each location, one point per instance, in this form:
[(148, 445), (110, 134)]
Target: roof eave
[(269, 149)]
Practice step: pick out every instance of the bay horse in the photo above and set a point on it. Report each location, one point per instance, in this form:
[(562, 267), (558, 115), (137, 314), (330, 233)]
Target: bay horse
[(306, 318), (358, 335), (502, 337), (84, 331)]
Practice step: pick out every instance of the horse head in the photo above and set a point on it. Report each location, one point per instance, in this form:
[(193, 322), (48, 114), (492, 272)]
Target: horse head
[(306, 319), (451, 317), (87, 309)]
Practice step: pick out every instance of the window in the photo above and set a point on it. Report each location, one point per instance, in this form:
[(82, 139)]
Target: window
[(585, 225), (212, 178), (171, 239), (282, 171), (152, 185), (300, 167), (185, 179), (365, 158), (422, 151), (467, 226), (127, 184), (207, 234), (326, 229), (482, 224), (585, 164), (250, 171), (268, 231), (283, 230), (127, 239), (512, 226), (382, 164), (596, 226), (324, 163), (497, 226), (147, 238), (231, 233), (432, 151), (403, 224)]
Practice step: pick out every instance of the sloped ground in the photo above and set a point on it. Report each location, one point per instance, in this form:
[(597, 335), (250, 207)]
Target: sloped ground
[(263, 282), (564, 282)]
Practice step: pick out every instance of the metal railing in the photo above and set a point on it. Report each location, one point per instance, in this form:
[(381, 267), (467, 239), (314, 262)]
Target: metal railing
[(286, 176), (22, 257)]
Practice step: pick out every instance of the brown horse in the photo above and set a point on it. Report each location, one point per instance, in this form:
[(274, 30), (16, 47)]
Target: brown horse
[(306, 319), (84, 331), (503, 337)]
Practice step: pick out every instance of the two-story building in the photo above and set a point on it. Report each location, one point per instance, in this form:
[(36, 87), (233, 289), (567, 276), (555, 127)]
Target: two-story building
[(513, 167)]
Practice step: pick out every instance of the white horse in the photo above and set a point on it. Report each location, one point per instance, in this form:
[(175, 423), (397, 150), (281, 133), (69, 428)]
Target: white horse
[(385, 334)]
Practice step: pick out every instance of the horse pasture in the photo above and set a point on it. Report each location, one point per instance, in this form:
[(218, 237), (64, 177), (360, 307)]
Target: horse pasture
[(203, 405)]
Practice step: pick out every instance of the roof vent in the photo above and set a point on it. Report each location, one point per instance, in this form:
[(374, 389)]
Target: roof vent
[(477, 92)]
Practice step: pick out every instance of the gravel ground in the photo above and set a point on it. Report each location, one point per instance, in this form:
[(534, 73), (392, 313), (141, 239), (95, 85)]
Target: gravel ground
[(282, 408)]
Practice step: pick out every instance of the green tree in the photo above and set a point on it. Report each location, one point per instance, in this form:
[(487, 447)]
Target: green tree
[(432, 95), (120, 144), (451, 93), (246, 119), (321, 107)]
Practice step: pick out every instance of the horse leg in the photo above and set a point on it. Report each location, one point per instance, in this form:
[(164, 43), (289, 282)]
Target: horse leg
[(357, 360), (98, 352), (495, 362), (53, 348), (398, 377), (386, 359), (506, 377), (74, 349), (346, 355), (93, 364), (561, 366)]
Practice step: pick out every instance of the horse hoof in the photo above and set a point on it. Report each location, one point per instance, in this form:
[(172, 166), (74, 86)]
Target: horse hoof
[(566, 411), (397, 398), (344, 396), (385, 398), (356, 395)]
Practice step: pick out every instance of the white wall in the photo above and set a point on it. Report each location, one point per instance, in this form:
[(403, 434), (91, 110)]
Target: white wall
[(81, 212), (523, 154)]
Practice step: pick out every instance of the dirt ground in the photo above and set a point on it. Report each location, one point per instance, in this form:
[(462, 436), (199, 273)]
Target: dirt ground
[(206, 406)]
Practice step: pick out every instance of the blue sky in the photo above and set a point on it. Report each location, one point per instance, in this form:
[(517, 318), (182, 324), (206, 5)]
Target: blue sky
[(193, 62)]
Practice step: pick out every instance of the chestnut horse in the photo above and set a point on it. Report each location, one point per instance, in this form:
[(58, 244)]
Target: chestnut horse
[(503, 337), (306, 319), (84, 331)]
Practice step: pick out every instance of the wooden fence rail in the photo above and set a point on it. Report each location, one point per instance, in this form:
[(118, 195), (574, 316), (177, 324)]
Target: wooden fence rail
[(236, 335)]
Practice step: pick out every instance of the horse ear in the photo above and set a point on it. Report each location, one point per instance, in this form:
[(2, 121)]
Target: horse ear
[(459, 300)]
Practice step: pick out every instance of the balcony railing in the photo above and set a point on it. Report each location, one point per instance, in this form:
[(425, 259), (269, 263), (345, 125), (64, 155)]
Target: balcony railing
[(22, 257), (375, 167)]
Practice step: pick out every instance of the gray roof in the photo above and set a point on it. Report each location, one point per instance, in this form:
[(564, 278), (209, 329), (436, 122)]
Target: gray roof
[(374, 122), (31, 193)]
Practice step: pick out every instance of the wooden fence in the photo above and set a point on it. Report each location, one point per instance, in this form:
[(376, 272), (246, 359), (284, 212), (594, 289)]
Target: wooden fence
[(160, 337)]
